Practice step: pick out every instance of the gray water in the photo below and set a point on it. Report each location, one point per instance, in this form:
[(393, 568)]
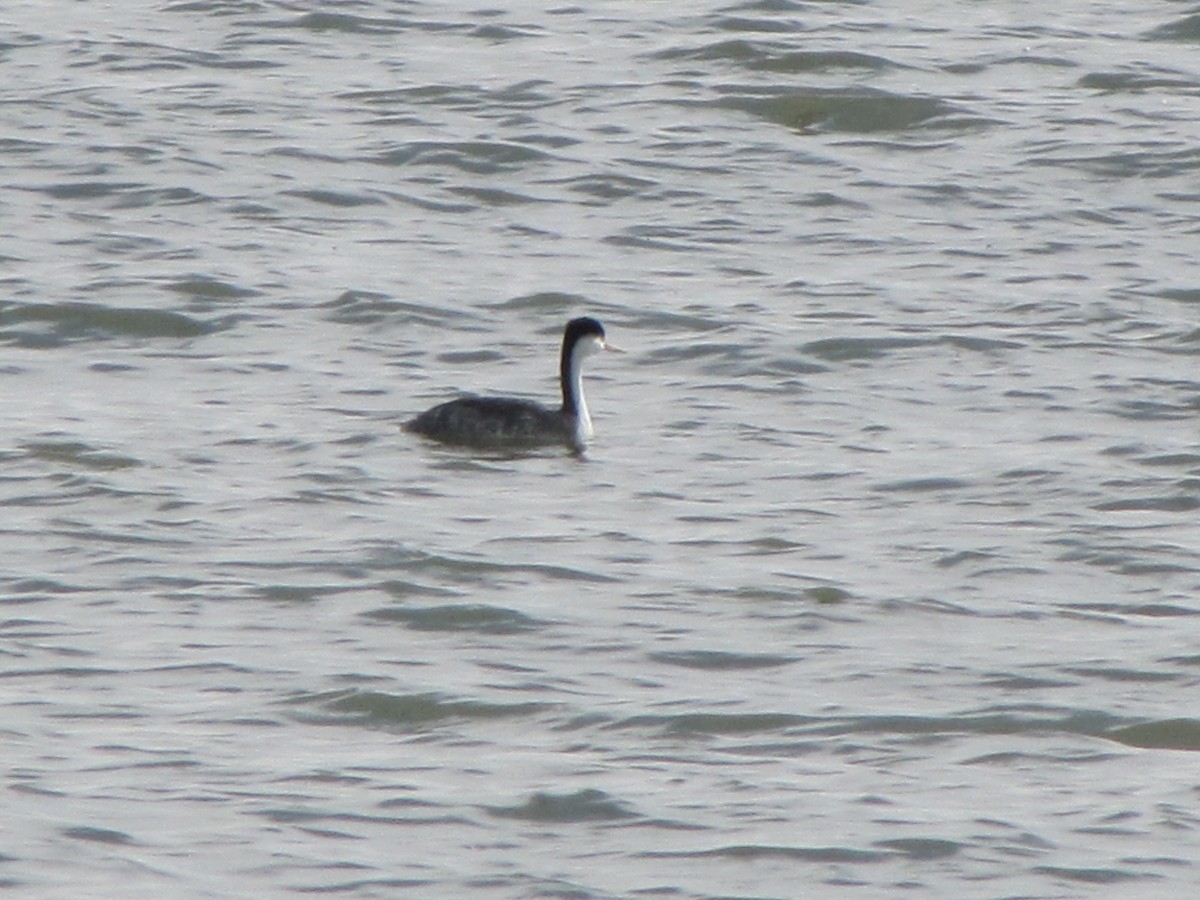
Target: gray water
[(881, 578)]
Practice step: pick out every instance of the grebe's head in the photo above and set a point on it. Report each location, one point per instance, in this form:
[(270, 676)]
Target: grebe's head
[(585, 335)]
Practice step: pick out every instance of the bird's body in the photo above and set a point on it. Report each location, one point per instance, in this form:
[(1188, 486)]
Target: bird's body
[(509, 423), (494, 422)]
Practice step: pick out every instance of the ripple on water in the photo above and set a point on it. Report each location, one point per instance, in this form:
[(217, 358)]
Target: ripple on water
[(486, 100), (348, 23), (335, 198), (1185, 30), (1122, 554), (605, 188), (1133, 609), (473, 157), (92, 834), (55, 324), (1136, 82), (207, 289), (852, 110), (588, 805), (77, 455), (376, 709), (358, 307), (712, 724), (751, 852), (768, 56), (1165, 734), (471, 617), (717, 660)]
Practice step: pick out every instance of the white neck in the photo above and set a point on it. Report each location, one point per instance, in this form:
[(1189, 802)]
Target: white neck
[(572, 383), (583, 419)]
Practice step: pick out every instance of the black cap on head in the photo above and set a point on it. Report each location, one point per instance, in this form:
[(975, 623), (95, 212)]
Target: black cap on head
[(582, 327)]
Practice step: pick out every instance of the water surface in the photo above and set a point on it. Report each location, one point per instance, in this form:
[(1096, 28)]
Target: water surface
[(879, 580)]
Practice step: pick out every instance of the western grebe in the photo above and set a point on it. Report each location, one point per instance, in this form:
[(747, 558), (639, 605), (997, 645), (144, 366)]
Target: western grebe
[(504, 422)]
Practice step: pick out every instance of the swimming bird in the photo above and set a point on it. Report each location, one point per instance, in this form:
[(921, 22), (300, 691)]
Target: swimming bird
[(509, 423)]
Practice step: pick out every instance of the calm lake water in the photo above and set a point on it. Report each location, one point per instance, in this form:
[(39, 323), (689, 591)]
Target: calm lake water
[(881, 579)]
